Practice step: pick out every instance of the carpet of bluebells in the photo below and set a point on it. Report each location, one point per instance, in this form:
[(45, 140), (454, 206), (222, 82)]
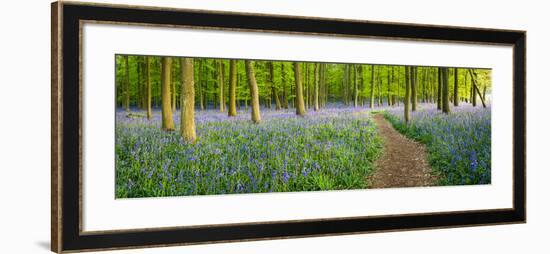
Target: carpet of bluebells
[(459, 144), (332, 149)]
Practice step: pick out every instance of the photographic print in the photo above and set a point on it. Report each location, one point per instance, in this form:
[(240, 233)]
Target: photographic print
[(205, 126), (174, 126)]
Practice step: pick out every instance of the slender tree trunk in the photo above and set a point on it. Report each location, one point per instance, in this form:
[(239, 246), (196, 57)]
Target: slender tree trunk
[(399, 85), (465, 87), (148, 89), (413, 77), (355, 88), (473, 90), (173, 84), (220, 85), (455, 99), (255, 101), (167, 118), (439, 81), (445, 91), (389, 87), (138, 87), (476, 88), (316, 88), (371, 105), (361, 86), (306, 86), (407, 92), (232, 88), (379, 81), (187, 114), (127, 85), (300, 107), (199, 84)]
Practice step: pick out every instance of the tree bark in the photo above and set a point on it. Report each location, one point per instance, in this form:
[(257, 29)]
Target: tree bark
[(371, 105), (148, 89), (355, 87), (187, 114), (316, 88), (413, 87), (439, 81), (456, 88), (167, 121), (379, 81), (173, 84), (199, 83), (127, 85), (300, 107), (232, 88), (389, 86), (220, 85), (445, 91), (255, 101), (407, 92)]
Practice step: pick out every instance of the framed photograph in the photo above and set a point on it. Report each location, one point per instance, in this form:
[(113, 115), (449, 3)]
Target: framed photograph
[(177, 126)]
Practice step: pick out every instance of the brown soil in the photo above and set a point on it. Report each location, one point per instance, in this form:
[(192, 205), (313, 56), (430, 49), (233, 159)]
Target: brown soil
[(403, 162)]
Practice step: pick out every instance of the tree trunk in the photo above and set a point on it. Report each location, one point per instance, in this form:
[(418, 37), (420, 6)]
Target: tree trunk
[(476, 88), (127, 85), (355, 88), (407, 92), (371, 105), (173, 85), (316, 88), (379, 81), (445, 90), (361, 85), (455, 99), (306, 86), (413, 78), (473, 92), (220, 85), (389, 86), (199, 84), (439, 81), (187, 98), (232, 88), (148, 87), (255, 101), (167, 121), (300, 107)]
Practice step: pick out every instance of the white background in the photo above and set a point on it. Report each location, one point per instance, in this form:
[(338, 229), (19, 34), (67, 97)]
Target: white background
[(25, 132), (102, 212)]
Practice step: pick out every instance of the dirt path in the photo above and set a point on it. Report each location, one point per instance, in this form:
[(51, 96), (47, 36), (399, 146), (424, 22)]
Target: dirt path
[(403, 163)]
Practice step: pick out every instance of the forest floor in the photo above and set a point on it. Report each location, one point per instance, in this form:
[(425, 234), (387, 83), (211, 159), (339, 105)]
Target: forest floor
[(403, 162)]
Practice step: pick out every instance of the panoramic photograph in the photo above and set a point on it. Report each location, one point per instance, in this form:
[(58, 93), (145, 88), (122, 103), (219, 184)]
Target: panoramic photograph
[(206, 126)]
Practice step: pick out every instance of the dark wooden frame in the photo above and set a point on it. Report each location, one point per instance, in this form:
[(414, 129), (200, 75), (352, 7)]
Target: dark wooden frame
[(66, 126)]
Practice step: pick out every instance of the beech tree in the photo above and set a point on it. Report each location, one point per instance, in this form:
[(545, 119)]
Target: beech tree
[(255, 101), (445, 90), (187, 129), (407, 93), (232, 88), (300, 107), (167, 121)]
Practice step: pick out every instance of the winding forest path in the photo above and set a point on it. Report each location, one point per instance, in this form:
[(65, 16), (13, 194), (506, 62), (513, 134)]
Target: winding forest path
[(403, 163)]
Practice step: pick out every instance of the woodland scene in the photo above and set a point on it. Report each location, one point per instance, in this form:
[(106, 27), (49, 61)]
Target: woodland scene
[(202, 126)]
